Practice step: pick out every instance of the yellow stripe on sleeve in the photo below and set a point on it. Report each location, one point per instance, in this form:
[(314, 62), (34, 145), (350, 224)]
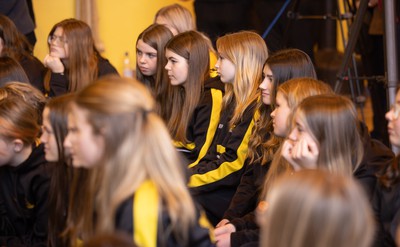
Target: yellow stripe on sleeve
[(225, 168), (213, 125), (145, 215)]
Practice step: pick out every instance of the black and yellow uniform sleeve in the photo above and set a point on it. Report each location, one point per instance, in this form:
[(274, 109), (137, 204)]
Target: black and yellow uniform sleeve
[(145, 217), (224, 163), (203, 125)]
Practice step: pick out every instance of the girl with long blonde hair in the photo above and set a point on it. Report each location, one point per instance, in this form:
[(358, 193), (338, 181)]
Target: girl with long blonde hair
[(137, 181), (215, 177), (279, 67)]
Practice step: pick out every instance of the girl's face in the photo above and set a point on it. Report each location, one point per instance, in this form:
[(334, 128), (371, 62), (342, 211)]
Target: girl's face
[(225, 69), (280, 116), (177, 67), (7, 152), (162, 21), (85, 147), (58, 44), (266, 85), (146, 58), (48, 138), (394, 122), (302, 138)]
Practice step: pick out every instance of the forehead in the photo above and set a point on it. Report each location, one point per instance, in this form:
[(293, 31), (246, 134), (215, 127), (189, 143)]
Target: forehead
[(169, 53), (77, 114), (145, 47), (279, 97), (59, 31), (267, 70)]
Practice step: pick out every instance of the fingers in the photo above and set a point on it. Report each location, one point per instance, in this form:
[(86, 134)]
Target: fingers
[(228, 228), (222, 223)]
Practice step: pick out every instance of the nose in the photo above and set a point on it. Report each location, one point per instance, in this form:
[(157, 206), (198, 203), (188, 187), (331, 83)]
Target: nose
[(217, 64), (167, 67), (43, 137), (273, 114), (142, 59), (293, 135), (67, 141), (262, 85), (389, 115)]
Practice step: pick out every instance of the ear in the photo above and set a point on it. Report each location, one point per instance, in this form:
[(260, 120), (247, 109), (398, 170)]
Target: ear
[(18, 145)]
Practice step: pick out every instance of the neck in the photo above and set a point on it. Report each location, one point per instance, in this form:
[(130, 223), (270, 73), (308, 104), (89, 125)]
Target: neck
[(21, 156)]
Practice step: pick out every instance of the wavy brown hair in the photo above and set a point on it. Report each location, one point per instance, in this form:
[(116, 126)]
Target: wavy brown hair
[(285, 65)]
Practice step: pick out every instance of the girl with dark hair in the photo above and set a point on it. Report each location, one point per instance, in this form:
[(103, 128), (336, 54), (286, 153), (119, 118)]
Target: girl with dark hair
[(386, 199), (14, 44), (150, 63), (54, 131), (195, 105), (11, 70)]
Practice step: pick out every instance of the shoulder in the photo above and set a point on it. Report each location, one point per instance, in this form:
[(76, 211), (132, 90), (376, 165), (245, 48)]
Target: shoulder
[(105, 67)]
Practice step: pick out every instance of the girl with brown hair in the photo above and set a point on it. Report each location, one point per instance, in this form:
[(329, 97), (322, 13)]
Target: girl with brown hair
[(73, 60)]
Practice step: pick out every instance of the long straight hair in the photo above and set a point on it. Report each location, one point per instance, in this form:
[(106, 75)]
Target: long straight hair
[(248, 52), (157, 37), (195, 48), (333, 123), (81, 64), (62, 176), (127, 153), (313, 208)]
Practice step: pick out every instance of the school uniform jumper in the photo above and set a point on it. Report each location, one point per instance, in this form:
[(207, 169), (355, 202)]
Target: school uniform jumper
[(203, 124), (213, 181), (141, 217), (24, 201)]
